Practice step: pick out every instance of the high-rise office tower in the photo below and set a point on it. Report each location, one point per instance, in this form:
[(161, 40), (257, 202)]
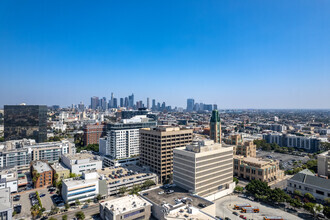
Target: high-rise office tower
[(204, 167), (131, 101), (153, 105), (215, 127), (126, 104), (121, 102), (148, 103), (215, 107), (103, 103), (114, 102), (111, 100), (25, 121), (156, 148), (94, 102), (190, 105), (81, 106)]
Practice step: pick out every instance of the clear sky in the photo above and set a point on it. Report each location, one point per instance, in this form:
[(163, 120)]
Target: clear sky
[(236, 53)]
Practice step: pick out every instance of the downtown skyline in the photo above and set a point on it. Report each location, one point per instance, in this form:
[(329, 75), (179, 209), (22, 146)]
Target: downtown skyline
[(272, 57)]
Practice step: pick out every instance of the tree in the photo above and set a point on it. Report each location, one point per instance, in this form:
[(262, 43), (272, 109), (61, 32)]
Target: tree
[(64, 217), (236, 180), (67, 206), (239, 189), (89, 201), (34, 211), (148, 183), (309, 196), (14, 213), (122, 190), (297, 192), (327, 201), (77, 202), (326, 211), (135, 190), (98, 197), (309, 207), (52, 218), (54, 210), (80, 215)]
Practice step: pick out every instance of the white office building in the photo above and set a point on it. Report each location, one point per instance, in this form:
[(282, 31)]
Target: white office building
[(81, 162), (6, 210), (8, 179)]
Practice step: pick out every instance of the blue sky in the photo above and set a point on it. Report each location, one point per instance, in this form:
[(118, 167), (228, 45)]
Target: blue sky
[(238, 54)]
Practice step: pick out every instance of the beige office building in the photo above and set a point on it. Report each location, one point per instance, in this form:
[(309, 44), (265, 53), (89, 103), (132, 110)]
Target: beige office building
[(323, 164), (156, 148), (204, 167), (246, 149), (254, 168)]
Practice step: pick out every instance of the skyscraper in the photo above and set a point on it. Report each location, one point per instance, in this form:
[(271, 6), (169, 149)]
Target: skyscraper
[(121, 102), (215, 127), (131, 101), (103, 103), (25, 121), (148, 103), (94, 102), (190, 105), (153, 105), (114, 102)]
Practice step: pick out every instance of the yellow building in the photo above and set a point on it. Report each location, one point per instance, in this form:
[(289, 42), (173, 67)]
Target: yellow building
[(61, 171)]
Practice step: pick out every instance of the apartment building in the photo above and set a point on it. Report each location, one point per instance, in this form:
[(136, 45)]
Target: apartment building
[(123, 139), (323, 164), (6, 210), (128, 207), (81, 162), (42, 174), (93, 132), (156, 148), (9, 179), (51, 151), (204, 168), (246, 149), (308, 143), (255, 168), (20, 153), (306, 182)]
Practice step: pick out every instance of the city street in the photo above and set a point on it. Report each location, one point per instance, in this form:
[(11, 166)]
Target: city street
[(90, 211), (224, 208)]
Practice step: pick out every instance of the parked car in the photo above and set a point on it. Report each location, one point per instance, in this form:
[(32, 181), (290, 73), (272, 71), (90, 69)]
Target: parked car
[(201, 205), (160, 192), (42, 195), (242, 216), (235, 213)]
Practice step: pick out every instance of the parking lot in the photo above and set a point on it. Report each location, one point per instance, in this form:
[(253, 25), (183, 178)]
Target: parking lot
[(286, 160), (225, 208), (25, 202)]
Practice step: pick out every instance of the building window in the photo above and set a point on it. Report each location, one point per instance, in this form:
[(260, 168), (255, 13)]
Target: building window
[(319, 192)]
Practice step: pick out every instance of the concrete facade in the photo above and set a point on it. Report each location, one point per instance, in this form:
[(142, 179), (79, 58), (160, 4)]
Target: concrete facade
[(156, 148), (204, 168), (81, 162), (323, 164), (254, 168)]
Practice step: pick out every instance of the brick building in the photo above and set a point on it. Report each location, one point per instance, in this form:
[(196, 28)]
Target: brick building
[(92, 133), (42, 174)]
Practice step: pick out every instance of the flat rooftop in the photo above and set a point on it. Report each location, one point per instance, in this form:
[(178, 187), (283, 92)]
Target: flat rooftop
[(59, 167), (71, 182), (80, 156), (5, 201), (170, 198), (41, 167), (125, 204)]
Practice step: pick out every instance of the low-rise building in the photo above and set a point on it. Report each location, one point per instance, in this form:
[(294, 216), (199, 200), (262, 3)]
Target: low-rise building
[(306, 182), (167, 205), (81, 162), (204, 168), (234, 139), (255, 168), (127, 207), (127, 177), (6, 210), (323, 164), (42, 174), (83, 188), (8, 179), (61, 171), (108, 161)]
